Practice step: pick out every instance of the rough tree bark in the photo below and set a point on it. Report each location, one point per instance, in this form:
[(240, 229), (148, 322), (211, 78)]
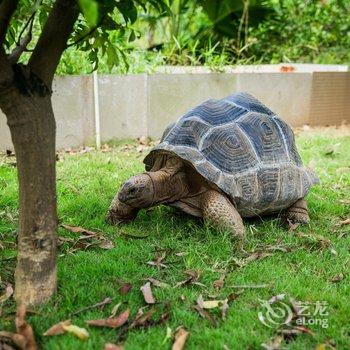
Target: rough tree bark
[(25, 99), (32, 127)]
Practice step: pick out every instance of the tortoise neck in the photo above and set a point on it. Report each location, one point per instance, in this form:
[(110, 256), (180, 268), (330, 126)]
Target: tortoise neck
[(168, 186)]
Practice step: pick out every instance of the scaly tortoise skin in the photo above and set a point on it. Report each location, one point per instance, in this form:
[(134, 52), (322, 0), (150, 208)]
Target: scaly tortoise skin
[(223, 160)]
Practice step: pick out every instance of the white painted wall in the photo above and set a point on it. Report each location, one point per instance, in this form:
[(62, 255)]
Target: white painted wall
[(144, 104)]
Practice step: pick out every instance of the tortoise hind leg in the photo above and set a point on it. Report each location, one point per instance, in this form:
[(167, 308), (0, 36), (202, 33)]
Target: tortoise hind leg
[(298, 212), (220, 212)]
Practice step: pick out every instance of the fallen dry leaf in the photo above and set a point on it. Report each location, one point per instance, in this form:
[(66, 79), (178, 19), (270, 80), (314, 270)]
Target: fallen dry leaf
[(218, 284), (274, 343), (181, 335), (142, 319), (111, 346), (147, 293), (181, 254), (276, 298), (78, 229), (211, 304), (192, 279), (84, 240), (295, 330), (337, 278), (57, 328), (114, 310), (158, 283), (233, 296), (111, 322), (257, 255), (158, 260), (125, 288), (204, 313), (106, 244), (24, 329), (79, 332)]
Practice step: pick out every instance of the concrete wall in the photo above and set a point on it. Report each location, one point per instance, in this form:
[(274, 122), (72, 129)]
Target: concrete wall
[(144, 104)]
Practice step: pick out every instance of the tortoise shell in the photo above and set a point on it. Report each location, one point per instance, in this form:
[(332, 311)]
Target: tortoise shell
[(242, 147)]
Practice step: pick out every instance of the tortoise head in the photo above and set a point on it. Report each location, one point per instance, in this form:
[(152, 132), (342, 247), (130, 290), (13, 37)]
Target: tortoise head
[(137, 192)]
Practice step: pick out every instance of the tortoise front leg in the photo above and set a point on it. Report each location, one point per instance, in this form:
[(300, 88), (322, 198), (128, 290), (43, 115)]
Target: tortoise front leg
[(298, 212), (220, 212)]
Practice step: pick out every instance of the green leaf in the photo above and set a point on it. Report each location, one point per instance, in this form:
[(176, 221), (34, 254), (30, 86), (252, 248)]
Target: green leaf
[(128, 10), (89, 9), (112, 57)]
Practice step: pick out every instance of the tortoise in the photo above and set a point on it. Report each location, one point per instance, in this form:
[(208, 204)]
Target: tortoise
[(224, 160)]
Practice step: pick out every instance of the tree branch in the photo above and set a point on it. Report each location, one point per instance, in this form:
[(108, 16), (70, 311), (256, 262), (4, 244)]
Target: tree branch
[(22, 45), (53, 40), (7, 8)]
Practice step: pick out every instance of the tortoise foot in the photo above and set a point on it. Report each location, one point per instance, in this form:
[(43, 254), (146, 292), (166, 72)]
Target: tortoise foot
[(298, 213)]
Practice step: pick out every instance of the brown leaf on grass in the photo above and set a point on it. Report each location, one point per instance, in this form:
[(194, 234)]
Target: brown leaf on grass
[(180, 337), (57, 328), (276, 298), (295, 330), (111, 322), (337, 278), (106, 244), (233, 296), (114, 310), (111, 346), (192, 279), (204, 313), (218, 284), (24, 329), (78, 229), (86, 239), (142, 319), (157, 261), (7, 295), (78, 332), (274, 343), (125, 288), (147, 293), (181, 254), (157, 283), (256, 256)]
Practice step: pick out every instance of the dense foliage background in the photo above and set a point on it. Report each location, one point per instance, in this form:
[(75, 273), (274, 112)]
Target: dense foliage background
[(216, 33)]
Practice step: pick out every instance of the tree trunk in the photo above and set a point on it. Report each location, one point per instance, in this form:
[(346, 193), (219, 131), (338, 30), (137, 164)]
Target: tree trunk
[(32, 125)]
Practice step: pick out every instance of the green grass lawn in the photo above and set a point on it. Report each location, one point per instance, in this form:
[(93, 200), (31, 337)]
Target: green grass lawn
[(301, 266)]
